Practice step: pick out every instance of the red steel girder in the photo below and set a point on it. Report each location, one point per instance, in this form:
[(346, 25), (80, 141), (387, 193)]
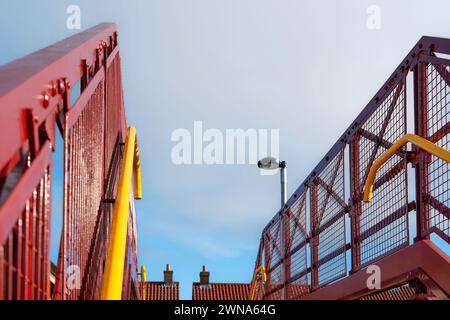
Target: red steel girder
[(30, 82), (395, 269)]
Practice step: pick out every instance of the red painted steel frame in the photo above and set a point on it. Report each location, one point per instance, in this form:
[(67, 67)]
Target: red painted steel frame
[(423, 259), (378, 230), (24, 82), (34, 97)]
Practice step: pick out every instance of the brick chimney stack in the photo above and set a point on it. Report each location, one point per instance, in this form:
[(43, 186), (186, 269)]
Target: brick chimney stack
[(168, 275), (204, 276)]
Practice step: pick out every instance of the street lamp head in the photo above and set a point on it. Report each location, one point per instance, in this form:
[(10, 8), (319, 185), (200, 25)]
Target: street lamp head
[(269, 163)]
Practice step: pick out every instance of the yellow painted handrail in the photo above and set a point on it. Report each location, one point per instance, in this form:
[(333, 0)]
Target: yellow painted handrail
[(115, 259), (137, 173), (144, 283), (414, 139), (260, 271)]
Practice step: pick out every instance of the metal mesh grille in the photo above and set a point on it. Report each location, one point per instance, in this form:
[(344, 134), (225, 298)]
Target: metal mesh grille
[(96, 266), (113, 108), (131, 281), (24, 257), (384, 223), (328, 210), (437, 173), (92, 285), (273, 261), (296, 236), (84, 187)]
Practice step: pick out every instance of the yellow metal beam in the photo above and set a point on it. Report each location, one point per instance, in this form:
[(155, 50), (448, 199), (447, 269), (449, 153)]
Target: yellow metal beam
[(260, 271), (115, 259), (414, 139), (144, 283)]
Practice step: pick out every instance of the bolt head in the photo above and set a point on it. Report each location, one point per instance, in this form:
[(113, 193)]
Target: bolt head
[(45, 100), (61, 86), (53, 88)]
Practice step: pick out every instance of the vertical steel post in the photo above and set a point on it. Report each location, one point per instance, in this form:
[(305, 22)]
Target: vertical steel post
[(420, 129), (356, 207), (283, 182), (287, 249), (267, 263), (66, 192), (314, 238)]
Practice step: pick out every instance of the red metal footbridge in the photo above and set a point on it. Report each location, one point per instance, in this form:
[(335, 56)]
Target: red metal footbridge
[(377, 199), (373, 203), (98, 235)]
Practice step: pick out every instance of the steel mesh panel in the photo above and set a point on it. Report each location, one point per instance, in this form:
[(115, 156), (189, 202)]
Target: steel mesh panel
[(328, 221), (24, 257), (131, 282), (92, 286), (437, 171), (94, 279), (113, 108), (274, 244), (296, 246), (272, 247), (383, 222), (84, 186), (273, 284)]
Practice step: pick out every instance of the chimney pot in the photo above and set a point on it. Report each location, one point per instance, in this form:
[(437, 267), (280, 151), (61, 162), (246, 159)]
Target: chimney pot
[(168, 275), (204, 276)]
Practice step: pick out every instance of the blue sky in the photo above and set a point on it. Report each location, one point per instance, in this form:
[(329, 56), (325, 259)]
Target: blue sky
[(304, 67)]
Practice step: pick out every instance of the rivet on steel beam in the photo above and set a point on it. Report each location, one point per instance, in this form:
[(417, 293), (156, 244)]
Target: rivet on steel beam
[(45, 100), (61, 86), (53, 88), (101, 45)]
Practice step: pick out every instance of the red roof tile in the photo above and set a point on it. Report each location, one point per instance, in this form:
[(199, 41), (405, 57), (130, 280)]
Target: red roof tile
[(161, 291), (273, 292), (221, 291)]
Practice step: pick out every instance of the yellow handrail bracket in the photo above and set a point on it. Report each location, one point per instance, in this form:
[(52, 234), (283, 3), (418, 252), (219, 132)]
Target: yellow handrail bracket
[(260, 272), (114, 268), (409, 138)]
